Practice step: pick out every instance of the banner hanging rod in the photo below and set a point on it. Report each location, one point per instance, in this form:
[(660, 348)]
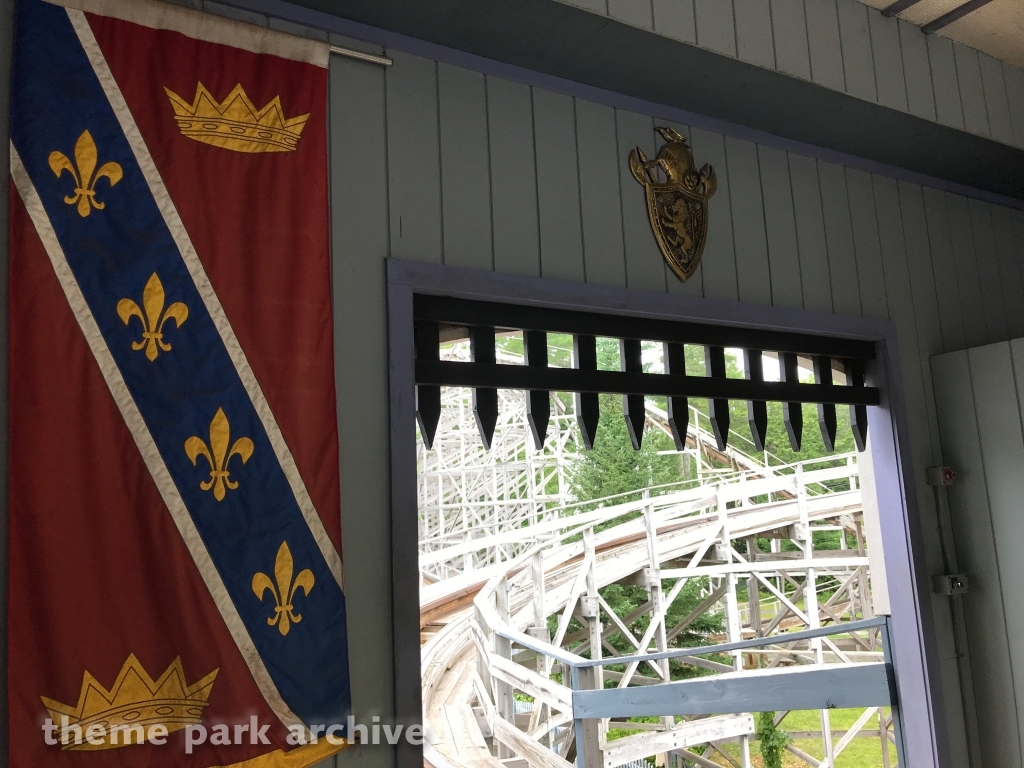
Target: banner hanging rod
[(353, 54)]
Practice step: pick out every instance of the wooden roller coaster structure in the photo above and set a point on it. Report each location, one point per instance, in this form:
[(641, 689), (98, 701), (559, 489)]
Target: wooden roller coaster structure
[(495, 676)]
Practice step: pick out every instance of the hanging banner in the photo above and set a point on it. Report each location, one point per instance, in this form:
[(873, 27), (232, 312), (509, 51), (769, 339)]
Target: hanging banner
[(175, 578)]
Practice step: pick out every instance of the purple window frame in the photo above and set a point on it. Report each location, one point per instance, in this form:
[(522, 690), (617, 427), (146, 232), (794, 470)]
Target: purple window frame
[(918, 679)]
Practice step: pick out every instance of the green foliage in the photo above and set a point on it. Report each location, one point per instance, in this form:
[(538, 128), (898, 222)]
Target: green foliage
[(812, 446), (776, 440), (859, 753), (624, 599), (559, 347), (624, 729), (773, 741), (613, 467)]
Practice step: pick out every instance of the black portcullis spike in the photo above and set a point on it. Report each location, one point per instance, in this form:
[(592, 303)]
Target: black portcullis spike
[(858, 413), (757, 410), (678, 407), (631, 361), (485, 399), (718, 408), (538, 402), (427, 340), (588, 406), (792, 413), (826, 411)]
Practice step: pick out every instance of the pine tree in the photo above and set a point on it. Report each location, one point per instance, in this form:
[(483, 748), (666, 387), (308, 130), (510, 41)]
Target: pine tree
[(613, 467)]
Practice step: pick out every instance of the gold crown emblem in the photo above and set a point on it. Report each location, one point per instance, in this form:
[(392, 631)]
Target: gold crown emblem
[(133, 704), (235, 123)]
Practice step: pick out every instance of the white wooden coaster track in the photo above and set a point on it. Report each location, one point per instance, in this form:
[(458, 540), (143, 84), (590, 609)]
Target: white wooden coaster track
[(498, 571)]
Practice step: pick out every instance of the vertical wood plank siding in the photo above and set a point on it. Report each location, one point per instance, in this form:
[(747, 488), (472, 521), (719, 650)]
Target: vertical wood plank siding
[(596, 152), (465, 168), (840, 44), (539, 183), (948, 108), (513, 183), (979, 394), (850, 47), (644, 267), (753, 272), (996, 98), (558, 207), (414, 178), (842, 261), (431, 162), (917, 72), (360, 228), (789, 28), (716, 29), (810, 230), (780, 229), (674, 18), (856, 46), (889, 74), (639, 14), (1014, 80), (972, 92), (754, 32)]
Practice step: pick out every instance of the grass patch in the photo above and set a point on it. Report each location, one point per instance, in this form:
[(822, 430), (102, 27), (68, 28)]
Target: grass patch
[(860, 753)]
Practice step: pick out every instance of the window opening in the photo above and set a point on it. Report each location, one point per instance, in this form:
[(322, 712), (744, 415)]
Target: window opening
[(602, 499)]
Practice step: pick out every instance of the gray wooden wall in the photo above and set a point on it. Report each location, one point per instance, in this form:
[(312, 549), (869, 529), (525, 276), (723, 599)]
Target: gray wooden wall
[(979, 394), (440, 164), (847, 46)]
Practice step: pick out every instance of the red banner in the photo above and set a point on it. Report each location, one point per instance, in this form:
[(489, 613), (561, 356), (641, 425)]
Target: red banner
[(136, 543)]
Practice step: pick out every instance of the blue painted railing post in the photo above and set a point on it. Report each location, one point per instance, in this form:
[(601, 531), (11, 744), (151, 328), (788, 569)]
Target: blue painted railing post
[(574, 685), (588, 746), (890, 661)]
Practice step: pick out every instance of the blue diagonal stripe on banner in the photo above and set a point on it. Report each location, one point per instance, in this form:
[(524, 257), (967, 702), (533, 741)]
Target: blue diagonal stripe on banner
[(112, 253)]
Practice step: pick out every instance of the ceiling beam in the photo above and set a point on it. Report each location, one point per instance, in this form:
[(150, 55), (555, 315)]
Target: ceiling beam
[(564, 48), (898, 7), (956, 13)]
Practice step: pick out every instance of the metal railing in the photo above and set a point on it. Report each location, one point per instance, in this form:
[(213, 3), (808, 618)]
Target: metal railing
[(801, 688), (682, 525)]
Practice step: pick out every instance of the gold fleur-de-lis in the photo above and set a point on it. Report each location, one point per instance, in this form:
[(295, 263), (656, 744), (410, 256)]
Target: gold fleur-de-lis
[(284, 593), (86, 157), (218, 455), (155, 317)]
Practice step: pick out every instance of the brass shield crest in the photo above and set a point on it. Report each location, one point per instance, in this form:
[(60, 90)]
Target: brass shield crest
[(677, 200)]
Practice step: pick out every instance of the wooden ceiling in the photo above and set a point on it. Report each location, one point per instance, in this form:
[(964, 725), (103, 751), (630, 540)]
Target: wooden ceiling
[(995, 27)]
